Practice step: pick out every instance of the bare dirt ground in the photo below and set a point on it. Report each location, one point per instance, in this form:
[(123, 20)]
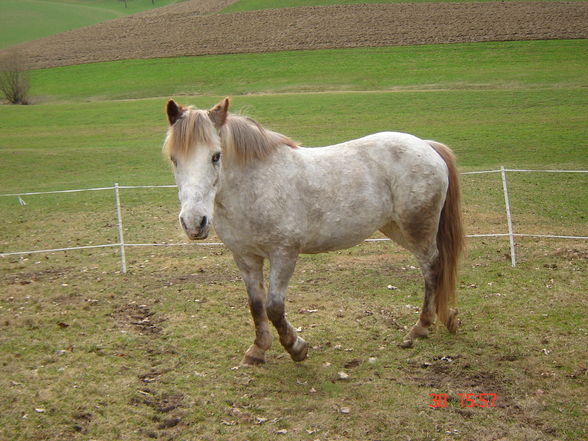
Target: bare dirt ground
[(184, 29)]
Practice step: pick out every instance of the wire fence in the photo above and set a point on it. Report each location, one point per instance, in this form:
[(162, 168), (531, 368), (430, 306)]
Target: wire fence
[(122, 245)]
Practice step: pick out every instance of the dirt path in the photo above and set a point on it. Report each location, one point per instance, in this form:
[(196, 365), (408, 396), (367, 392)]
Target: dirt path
[(181, 29)]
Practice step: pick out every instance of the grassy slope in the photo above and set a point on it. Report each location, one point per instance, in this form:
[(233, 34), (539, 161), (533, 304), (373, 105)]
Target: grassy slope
[(495, 103), (24, 20), (517, 104), (486, 129), (504, 66), (149, 355)]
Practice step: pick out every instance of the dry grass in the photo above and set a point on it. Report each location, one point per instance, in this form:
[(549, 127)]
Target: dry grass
[(91, 354)]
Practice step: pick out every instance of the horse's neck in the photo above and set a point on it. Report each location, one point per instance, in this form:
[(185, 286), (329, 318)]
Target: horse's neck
[(256, 176), (235, 179)]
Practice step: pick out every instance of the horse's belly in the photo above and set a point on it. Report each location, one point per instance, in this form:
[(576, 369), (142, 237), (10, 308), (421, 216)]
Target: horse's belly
[(304, 233), (338, 235), (330, 244)]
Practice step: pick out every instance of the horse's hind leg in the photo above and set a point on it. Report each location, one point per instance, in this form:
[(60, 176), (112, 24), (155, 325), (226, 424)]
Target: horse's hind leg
[(282, 266), (252, 271), (425, 251), (430, 273)]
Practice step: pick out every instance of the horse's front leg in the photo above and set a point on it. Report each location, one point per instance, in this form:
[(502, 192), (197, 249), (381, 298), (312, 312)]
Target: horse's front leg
[(282, 266), (252, 272)]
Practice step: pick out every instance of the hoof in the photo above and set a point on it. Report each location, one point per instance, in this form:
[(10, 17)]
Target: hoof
[(299, 350), (406, 344), (417, 331), (453, 322), (253, 357), (251, 361)]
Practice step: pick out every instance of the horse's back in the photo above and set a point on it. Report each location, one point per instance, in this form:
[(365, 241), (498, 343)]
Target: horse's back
[(395, 149), (404, 162), (327, 198)]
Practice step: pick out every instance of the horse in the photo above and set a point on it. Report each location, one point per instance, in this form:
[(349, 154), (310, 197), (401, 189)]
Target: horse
[(267, 197)]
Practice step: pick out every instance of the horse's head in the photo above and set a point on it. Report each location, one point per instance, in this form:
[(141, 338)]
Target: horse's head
[(194, 148)]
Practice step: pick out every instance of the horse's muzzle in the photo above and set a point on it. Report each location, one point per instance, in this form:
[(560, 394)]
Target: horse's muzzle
[(198, 232)]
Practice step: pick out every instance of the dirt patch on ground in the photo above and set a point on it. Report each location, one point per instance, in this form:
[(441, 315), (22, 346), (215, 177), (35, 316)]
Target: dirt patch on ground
[(454, 371), (53, 274), (182, 30), (139, 318)]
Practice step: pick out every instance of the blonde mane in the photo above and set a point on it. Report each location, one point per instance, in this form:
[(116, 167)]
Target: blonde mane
[(245, 140), (194, 127), (242, 139)]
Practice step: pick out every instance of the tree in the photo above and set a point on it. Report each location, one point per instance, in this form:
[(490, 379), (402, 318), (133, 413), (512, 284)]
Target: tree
[(14, 79)]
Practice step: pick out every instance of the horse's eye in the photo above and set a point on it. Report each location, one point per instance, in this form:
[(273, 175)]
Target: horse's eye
[(216, 157)]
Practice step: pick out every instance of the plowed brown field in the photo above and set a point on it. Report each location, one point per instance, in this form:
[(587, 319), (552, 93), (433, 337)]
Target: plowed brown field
[(182, 29)]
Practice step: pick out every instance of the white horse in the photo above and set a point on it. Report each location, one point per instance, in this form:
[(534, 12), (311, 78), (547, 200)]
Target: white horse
[(269, 198)]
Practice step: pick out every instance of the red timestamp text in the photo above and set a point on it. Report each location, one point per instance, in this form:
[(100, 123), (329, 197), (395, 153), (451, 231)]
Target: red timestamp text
[(465, 400)]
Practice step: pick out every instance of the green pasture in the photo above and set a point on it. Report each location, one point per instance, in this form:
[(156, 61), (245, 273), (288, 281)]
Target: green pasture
[(62, 146), (486, 66), (516, 104), (24, 20), (89, 353)]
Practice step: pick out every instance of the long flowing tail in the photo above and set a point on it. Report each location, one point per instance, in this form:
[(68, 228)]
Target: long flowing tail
[(450, 243)]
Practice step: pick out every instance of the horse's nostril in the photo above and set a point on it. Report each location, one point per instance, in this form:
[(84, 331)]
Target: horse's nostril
[(201, 227)]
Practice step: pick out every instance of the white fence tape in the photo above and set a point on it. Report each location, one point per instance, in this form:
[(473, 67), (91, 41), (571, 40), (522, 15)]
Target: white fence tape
[(114, 245), (122, 245)]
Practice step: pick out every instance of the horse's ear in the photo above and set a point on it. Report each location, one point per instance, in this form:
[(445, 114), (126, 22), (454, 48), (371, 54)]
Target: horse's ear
[(174, 111), (218, 114)]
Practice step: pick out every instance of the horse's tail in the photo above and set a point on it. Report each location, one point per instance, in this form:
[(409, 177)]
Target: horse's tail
[(450, 242)]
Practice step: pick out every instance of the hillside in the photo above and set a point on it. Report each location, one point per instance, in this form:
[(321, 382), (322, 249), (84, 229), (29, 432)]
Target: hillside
[(182, 29)]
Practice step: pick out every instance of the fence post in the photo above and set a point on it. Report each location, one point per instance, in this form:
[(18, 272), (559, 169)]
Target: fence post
[(121, 241), (513, 257)]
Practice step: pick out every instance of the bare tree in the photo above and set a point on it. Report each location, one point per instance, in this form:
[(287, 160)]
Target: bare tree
[(14, 79)]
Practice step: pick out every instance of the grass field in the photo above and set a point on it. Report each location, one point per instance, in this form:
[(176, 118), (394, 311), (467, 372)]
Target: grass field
[(490, 66), (518, 104), (24, 20), (89, 353), (60, 146)]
